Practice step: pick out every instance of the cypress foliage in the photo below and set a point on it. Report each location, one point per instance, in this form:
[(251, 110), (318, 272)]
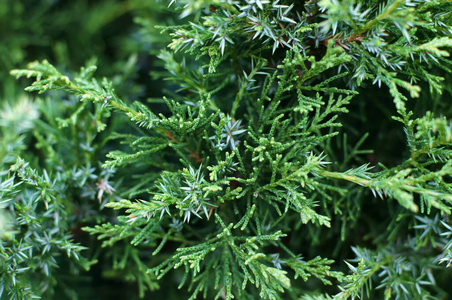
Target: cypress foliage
[(298, 150)]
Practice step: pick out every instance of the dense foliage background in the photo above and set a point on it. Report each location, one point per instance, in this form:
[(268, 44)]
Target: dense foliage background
[(225, 149)]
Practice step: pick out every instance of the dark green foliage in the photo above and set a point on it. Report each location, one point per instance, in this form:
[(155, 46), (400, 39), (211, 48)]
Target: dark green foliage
[(247, 174)]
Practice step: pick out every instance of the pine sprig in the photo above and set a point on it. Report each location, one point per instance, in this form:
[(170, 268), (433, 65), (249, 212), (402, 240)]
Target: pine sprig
[(35, 207)]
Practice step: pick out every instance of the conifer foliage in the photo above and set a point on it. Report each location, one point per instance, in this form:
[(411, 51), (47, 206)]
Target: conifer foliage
[(301, 150)]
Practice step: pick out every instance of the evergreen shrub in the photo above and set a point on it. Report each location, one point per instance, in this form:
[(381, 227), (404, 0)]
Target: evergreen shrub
[(226, 149)]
